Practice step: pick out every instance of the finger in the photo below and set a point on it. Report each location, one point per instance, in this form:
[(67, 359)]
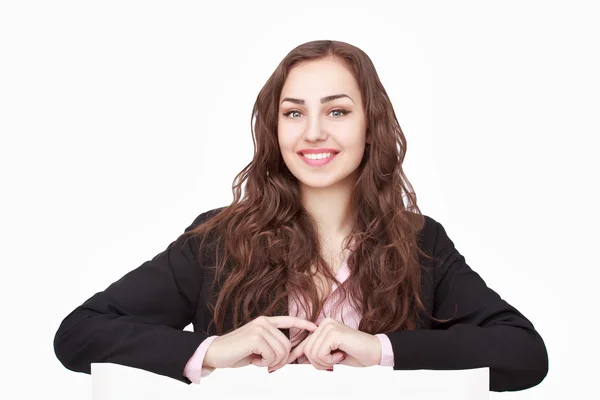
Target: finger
[(265, 345), (310, 353), (297, 352), (351, 361), (333, 358), (253, 359), (338, 357), (323, 348), (287, 321), (273, 337), (327, 347), (286, 345)]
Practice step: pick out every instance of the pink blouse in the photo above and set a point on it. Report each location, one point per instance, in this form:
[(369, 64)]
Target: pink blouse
[(345, 314)]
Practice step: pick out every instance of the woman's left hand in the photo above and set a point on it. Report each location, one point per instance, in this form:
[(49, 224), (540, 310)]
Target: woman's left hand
[(335, 343)]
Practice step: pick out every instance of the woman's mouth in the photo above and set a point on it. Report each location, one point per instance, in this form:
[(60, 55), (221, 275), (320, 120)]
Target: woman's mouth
[(317, 159)]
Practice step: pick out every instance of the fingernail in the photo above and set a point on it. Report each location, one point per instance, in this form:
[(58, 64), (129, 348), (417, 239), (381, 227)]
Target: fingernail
[(329, 369), (272, 370)]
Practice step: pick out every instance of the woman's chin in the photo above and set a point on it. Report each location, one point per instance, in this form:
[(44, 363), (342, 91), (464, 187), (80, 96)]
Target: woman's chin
[(322, 182)]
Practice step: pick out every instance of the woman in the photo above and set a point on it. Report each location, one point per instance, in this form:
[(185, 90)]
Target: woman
[(320, 262)]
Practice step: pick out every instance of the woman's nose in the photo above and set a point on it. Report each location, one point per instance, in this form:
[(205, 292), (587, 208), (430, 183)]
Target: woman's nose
[(314, 132)]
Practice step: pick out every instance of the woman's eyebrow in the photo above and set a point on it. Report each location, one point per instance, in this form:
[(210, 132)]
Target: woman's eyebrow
[(325, 99)]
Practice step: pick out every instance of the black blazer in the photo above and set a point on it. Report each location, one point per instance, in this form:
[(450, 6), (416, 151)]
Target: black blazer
[(138, 320)]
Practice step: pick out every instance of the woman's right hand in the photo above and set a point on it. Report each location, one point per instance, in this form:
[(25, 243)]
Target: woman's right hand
[(259, 342)]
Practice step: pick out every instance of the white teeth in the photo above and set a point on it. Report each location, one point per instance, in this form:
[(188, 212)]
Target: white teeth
[(317, 156)]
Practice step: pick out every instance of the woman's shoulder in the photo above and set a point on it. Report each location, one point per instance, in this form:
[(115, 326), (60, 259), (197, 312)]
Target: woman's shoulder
[(431, 236), (203, 217)]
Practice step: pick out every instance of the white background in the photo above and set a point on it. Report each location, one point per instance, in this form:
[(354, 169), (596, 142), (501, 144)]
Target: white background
[(122, 121)]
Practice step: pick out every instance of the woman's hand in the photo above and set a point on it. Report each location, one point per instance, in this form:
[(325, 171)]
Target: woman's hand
[(259, 342), (335, 343)]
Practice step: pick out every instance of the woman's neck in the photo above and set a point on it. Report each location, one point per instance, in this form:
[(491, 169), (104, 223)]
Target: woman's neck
[(330, 208)]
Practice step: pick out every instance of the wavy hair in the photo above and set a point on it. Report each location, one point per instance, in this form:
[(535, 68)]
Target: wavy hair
[(270, 241)]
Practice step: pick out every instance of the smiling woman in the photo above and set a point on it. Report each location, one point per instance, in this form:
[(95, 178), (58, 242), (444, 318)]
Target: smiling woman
[(322, 261)]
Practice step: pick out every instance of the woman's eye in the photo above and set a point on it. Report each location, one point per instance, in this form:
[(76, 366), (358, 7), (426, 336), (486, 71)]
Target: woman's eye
[(287, 114), (343, 112), (338, 110)]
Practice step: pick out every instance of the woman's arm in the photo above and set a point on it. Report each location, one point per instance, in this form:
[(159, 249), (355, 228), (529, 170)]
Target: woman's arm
[(194, 369), (138, 321), (485, 331)]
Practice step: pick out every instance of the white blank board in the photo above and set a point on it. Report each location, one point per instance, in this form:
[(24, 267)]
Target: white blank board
[(294, 381)]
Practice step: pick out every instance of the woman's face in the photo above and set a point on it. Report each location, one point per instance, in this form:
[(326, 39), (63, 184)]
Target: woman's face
[(310, 121)]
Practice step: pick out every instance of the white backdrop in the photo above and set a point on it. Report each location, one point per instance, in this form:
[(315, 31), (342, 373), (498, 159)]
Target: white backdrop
[(121, 121)]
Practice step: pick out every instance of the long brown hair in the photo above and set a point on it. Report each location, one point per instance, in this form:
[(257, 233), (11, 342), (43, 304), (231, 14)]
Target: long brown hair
[(271, 240)]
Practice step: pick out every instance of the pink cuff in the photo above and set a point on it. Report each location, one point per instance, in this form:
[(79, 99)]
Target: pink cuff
[(387, 352), (193, 369)]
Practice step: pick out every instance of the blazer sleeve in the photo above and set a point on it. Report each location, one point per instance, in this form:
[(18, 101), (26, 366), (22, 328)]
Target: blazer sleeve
[(138, 320), (484, 330)]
